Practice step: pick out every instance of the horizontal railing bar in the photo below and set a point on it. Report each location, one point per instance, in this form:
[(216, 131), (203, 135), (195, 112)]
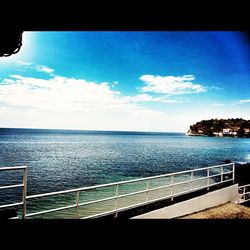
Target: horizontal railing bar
[(228, 172), (51, 210), (161, 187), (165, 186), (214, 175), (133, 193), (133, 206), (224, 173), (12, 205), (182, 182), (201, 178), (176, 173), (199, 169), (243, 201), (99, 215), (50, 194), (242, 194), (96, 201), (205, 168), (170, 185), (178, 183), (13, 218), (247, 185), (68, 191), (11, 186), (217, 183), (12, 168)]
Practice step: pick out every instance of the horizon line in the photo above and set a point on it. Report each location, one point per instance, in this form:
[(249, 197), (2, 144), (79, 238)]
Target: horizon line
[(94, 130)]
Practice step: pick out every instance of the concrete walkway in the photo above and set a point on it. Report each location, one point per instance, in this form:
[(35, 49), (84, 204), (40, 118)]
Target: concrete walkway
[(193, 205)]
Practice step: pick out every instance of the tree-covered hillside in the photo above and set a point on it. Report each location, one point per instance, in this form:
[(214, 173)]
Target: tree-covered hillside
[(221, 127)]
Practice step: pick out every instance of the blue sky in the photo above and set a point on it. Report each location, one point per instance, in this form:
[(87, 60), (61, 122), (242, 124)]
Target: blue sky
[(141, 81)]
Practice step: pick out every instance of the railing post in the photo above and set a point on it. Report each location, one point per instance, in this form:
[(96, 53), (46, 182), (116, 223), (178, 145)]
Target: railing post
[(172, 182), (208, 174), (192, 177), (233, 172), (25, 173), (77, 204), (221, 174), (116, 199), (147, 189)]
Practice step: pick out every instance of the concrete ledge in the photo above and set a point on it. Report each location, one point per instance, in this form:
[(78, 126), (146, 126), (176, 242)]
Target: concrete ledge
[(196, 204)]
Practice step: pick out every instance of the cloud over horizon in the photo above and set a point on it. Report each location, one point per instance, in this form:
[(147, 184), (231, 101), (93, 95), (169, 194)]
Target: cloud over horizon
[(171, 85), (76, 103), (62, 102), (244, 101)]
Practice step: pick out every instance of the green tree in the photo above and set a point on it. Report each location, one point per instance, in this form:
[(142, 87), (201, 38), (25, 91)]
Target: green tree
[(241, 132)]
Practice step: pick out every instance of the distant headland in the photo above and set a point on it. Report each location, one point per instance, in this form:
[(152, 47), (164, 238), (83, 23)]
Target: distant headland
[(237, 127)]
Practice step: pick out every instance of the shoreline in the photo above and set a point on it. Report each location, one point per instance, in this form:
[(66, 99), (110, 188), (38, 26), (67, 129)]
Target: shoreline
[(228, 136)]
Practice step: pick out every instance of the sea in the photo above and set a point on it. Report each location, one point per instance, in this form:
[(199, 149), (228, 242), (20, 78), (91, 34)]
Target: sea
[(65, 159)]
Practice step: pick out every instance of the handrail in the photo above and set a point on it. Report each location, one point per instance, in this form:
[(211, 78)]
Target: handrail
[(11, 186), (12, 168), (245, 195), (23, 185), (147, 190), (124, 182)]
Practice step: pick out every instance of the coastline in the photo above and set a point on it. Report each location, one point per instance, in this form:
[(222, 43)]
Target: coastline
[(216, 135)]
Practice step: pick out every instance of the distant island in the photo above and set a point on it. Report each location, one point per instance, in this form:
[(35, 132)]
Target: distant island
[(237, 127)]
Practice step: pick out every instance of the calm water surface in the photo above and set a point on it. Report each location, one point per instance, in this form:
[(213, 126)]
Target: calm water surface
[(67, 159), (59, 160)]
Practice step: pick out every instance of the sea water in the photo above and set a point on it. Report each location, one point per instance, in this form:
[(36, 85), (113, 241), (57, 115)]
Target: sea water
[(64, 159)]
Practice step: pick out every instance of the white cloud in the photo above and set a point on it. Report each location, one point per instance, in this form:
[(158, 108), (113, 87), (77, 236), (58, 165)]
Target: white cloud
[(45, 69), (39, 68), (16, 77), (62, 102), (244, 101), (69, 103), (240, 102), (147, 98), (22, 63), (171, 85), (114, 84)]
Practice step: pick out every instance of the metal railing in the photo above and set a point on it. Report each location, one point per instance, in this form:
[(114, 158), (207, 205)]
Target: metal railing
[(23, 185), (209, 176), (244, 192)]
